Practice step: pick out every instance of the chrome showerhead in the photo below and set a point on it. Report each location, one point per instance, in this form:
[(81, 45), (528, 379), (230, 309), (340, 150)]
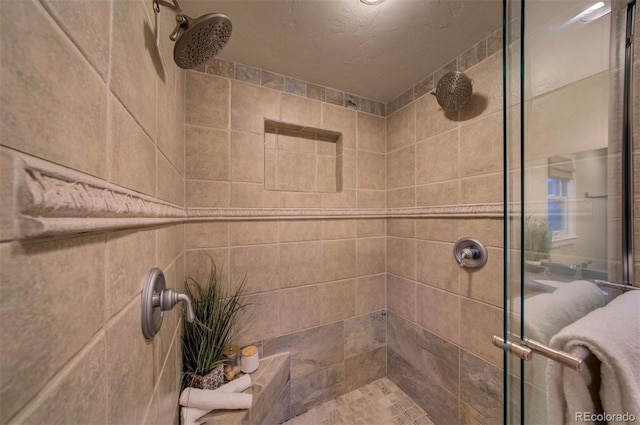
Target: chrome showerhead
[(197, 40), (454, 91)]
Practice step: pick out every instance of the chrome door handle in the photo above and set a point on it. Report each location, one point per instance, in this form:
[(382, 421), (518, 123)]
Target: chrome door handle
[(575, 359)]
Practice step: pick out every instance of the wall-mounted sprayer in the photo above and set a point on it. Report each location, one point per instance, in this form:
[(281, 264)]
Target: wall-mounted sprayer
[(156, 299), (197, 40)]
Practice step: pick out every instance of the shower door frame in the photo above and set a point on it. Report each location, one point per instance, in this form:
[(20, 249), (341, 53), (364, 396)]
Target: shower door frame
[(514, 167)]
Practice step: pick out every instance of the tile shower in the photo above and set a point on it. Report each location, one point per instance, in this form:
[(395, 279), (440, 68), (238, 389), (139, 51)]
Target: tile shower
[(357, 285)]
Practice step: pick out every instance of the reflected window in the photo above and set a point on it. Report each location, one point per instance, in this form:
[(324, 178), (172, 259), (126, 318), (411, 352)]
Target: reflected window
[(558, 191)]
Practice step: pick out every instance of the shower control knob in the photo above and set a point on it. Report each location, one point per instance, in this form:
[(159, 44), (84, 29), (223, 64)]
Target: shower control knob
[(470, 253)]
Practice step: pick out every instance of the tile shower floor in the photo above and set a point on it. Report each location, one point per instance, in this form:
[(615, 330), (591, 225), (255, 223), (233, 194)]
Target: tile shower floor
[(378, 403)]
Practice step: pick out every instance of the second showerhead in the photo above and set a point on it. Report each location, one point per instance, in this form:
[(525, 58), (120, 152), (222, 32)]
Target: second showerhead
[(454, 91), (197, 40)]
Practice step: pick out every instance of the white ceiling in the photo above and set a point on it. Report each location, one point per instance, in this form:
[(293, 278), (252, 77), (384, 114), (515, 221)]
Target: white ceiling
[(372, 51)]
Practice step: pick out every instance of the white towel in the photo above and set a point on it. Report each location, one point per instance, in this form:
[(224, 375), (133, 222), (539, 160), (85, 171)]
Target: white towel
[(545, 315), (238, 385), (190, 415), (612, 334), (213, 400)]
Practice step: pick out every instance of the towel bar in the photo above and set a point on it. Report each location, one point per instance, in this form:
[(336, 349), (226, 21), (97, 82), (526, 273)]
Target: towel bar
[(575, 359), (619, 286)]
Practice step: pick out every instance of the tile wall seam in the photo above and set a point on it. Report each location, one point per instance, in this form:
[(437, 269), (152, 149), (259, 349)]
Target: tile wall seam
[(69, 41), (108, 159), (67, 368)]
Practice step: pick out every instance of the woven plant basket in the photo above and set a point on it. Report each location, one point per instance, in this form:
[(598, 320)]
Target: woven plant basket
[(210, 381)]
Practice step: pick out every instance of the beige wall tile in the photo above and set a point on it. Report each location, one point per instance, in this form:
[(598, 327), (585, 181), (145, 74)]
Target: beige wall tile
[(199, 262), (439, 312), (338, 229), (79, 395), (128, 354), (327, 147), (371, 133), (253, 232), (398, 198), (401, 171), (371, 227), (401, 257), (260, 265), (371, 293), (207, 100), (344, 199), (371, 256), (170, 123), (401, 128), (337, 300), (46, 86), (295, 142), (300, 263), (296, 171), (372, 199), (475, 335), (401, 296), (170, 244), (132, 153), (487, 88), (170, 184), (261, 319), (247, 195), (250, 105), (87, 23), (299, 308), (326, 174), (132, 63), (211, 194), (445, 193), (401, 227), (301, 111), (489, 230), (300, 230), (337, 118), (439, 229), (486, 188), (371, 171), (247, 157), (65, 272), (431, 119), (338, 259), (206, 234), (437, 266), (129, 256), (485, 284), (7, 199), (437, 158), (270, 169), (168, 389), (481, 146), (207, 153), (300, 200), (349, 163)]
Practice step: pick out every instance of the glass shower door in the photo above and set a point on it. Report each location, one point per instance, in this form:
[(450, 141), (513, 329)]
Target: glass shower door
[(564, 197)]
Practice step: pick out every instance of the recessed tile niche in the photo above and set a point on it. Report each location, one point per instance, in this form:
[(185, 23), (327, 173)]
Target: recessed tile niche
[(302, 159)]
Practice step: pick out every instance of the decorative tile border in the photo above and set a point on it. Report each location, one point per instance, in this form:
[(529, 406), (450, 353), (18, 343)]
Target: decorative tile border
[(260, 77), (53, 201)]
